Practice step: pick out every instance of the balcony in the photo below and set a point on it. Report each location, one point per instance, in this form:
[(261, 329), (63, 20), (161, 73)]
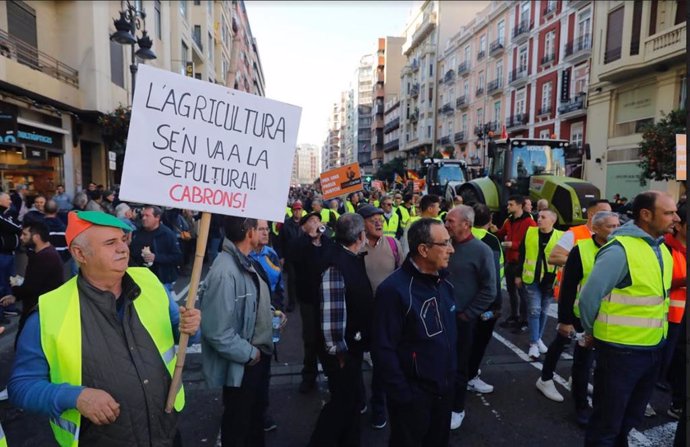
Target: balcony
[(459, 137), (483, 129), (548, 10), (414, 116), (378, 91), (496, 47), (517, 121), (415, 65), (449, 76), (573, 108), (380, 76), (378, 110), (461, 102), (664, 48), (481, 55), (414, 90), (381, 61), (30, 56), (426, 26), (391, 125), (494, 86), (391, 145), (447, 109), (548, 58), (577, 4), (579, 49), (544, 110), (464, 69), (518, 76), (479, 91), (521, 32), (196, 38), (444, 141)]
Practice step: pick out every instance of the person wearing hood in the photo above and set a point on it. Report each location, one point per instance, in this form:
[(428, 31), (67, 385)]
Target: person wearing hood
[(623, 311)]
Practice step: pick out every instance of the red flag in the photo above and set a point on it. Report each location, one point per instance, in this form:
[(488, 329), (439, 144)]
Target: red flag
[(504, 134)]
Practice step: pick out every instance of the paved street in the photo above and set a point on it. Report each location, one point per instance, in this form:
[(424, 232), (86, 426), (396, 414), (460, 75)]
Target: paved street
[(516, 414)]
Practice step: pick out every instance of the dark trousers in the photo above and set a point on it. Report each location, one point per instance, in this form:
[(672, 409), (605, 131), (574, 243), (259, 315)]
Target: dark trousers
[(466, 330), (582, 364), (518, 296), (482, 336), (310, 330), (291, 278), (338, 422), (242, 422), (623, 383), (423, 422), (677, 371), (378, 394)]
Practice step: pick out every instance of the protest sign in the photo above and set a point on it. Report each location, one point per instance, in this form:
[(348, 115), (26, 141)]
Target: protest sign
[(377, 184), (681, 157), (201, 146), (342, 180)]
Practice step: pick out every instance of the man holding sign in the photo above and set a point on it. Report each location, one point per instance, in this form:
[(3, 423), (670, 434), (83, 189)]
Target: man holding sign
[(99, 355)]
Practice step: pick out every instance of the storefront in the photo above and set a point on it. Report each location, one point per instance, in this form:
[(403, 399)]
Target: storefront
[(31, 152)]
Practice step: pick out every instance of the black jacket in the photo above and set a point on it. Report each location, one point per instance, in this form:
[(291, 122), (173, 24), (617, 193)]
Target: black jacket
[(10, 230), (162, 243)]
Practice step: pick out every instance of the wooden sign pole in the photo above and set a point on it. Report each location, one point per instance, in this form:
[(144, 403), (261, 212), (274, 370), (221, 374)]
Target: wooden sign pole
[(202, 237)]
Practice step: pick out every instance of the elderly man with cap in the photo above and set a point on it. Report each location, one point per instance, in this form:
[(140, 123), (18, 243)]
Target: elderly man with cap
[(311, 250), (383, 257), (99, 354)]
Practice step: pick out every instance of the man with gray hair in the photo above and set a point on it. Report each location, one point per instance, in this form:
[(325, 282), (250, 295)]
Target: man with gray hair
[(346, 311), (473, 274)]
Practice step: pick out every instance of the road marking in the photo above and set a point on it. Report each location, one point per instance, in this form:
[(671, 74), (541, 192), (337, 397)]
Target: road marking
[(182, 293)]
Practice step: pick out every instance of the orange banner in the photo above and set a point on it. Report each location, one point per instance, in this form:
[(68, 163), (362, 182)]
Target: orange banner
[(340, 181)]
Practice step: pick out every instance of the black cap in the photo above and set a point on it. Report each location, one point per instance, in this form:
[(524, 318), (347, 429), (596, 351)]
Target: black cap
[(306, 217), (368, 211)]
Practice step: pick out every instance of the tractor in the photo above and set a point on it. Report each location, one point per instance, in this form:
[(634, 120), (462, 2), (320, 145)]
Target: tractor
[(444, 176), (534, 168)]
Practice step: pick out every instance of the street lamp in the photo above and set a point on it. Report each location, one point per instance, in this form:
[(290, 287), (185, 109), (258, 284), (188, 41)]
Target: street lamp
[(132, 19)]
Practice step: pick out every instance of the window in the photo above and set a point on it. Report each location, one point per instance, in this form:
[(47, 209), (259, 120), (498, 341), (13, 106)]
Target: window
[(466, 90), (520, 101), (196, 35), (499, 73), (482, 43), (117, 65), (157, 18), (682, 101), (209, 7), (501, 31), (197, 2), (546, 91), (614, 36), (576, 132), (544, 134), (481, 81), (183, 8), (636, 28), (209, 50), (550, 45), (681, 11), (431, 94), (21, 20), (480, 116), (522, 58), (524, 13), (428, 131), (464, 123), (497, 111), (467, 54), (584, 24), (184, 56), (431, 69)]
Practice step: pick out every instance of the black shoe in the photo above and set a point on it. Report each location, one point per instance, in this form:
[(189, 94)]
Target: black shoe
[(269, 424), (508, 322), (583, 416), (378, 421), (306, 386)]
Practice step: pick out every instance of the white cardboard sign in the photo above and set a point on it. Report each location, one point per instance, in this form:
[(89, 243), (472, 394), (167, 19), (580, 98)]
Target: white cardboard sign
[(201, 146)]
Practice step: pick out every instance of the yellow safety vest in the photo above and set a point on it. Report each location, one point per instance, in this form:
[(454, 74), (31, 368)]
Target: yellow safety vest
[(404, 214), (532, 254), (349, 207), (3, 439), (376, 203), (480, 233), (61, 339), (637, 315), (588, 251), (390, 227), (326, 215)]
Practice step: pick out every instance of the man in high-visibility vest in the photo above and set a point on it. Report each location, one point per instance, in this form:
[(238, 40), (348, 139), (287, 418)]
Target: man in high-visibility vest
[(400, 209), (577, 270), (538, 277), (570, 238), (102, 346), (623, 310), (352, 202), (391, 220), (430, 206)]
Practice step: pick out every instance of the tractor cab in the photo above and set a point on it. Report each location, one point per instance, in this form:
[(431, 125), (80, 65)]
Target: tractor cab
[(444, 176)]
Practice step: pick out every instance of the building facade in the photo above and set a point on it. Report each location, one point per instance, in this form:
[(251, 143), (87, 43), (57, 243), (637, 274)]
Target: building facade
[(363, 101), (57, 79), (638, 74), (307, 164), (391, 129)]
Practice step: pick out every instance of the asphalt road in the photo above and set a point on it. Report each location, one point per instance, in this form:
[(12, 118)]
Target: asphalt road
[(515, 414)]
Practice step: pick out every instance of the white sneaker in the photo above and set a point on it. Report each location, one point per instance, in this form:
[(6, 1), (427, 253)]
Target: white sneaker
[(548, 389), (542, 347), (456, 419), (4, 395), (477, 385), (533, 352)]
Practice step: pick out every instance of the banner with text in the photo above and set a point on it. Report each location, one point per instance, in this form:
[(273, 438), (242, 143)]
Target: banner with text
[(681, 157), (342, 180), (201, 146)]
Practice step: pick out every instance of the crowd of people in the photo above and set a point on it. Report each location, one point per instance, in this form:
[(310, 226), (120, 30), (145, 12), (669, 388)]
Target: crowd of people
[(411, 283)]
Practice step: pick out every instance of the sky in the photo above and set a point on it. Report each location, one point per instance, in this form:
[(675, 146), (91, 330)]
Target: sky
[(310, 50)]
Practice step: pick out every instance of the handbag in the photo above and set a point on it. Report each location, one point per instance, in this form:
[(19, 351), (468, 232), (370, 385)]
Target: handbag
[(185, 235)]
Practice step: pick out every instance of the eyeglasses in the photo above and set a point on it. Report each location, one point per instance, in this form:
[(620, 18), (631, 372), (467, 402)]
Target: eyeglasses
[(446, 243), (387, 204)]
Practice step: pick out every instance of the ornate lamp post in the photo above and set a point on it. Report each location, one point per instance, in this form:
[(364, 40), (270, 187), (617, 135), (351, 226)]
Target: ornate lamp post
[(133, 19)]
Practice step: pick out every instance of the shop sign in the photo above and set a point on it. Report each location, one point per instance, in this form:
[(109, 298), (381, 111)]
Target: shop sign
[(635, 104), (8, 124), (32, 153), (33, 136), (624, 179)]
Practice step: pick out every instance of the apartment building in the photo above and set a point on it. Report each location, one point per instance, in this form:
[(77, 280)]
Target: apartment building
[(363, 102), (433, 22), (306, 165), (472, 81), (638, 72), (57, 79), (339, 147), (391, 129), (389, 62)]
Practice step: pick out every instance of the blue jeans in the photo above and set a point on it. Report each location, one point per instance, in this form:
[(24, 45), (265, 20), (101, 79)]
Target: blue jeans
[(623, 383), (537, 308)]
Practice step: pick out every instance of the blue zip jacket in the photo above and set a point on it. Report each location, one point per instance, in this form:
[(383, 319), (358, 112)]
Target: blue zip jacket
[(414, 338)]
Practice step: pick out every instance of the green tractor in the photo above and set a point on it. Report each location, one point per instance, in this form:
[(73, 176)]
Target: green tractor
[(534, 168)]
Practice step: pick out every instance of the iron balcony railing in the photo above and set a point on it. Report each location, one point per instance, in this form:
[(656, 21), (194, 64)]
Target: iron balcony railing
[(461, 101), (391, 126), (391, 145), (459, 137), (520, 119), (463, 68), (26, 54), (494, 85), (576, 103), (582, 43), (496, 46), (481, 55), (548, 58), (522, 29), (447, 108)]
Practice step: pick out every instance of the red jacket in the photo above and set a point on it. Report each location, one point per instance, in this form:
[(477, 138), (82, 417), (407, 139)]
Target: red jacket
[(678, 285), (514, 230)]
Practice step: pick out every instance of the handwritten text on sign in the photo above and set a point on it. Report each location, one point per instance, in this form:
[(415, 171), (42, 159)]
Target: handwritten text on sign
[(200, 146)]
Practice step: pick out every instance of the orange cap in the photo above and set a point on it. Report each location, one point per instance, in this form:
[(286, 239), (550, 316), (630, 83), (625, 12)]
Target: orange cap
[(80, 221), (75, 227)]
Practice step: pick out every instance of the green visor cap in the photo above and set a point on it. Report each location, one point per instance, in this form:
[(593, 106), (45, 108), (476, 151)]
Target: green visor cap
[(103, 219)]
